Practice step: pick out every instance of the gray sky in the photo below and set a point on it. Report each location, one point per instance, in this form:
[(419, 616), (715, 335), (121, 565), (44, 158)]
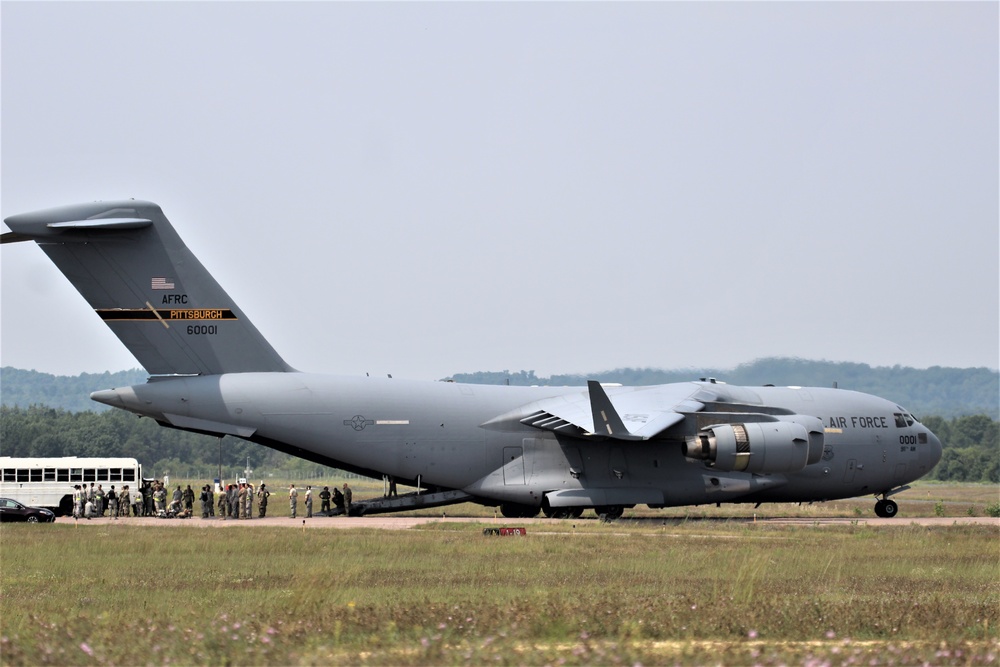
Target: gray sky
[(425, 189)]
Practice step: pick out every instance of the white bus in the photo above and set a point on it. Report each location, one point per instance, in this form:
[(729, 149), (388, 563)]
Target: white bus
[(49, 482)]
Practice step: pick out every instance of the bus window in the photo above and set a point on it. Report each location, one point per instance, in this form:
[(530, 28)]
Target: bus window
[(9, 475), (36, 474), (50, 474), (22, 474), (102, 474), (62, 475), (115, 474), (89, 474), (128, 475), (76, 475)]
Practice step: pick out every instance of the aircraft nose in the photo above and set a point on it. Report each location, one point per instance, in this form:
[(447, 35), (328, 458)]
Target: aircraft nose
[(933, 451)]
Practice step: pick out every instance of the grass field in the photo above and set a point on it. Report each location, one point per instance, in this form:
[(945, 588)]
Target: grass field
[(582, 592), (924, 499)]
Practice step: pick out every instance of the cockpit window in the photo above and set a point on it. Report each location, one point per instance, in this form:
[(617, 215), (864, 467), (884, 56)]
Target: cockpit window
[(904, 419)]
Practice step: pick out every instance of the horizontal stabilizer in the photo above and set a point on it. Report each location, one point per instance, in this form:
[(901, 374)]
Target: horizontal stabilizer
[(102, 223), (14, 237)]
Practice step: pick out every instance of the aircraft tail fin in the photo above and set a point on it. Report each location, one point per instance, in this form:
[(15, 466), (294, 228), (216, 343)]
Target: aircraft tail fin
[(135, 271)]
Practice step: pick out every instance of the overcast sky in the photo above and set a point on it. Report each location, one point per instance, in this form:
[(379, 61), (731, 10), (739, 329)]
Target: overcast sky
[(427, 189)]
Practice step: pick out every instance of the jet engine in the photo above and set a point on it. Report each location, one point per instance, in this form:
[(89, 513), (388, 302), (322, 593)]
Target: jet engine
[(764, 447)]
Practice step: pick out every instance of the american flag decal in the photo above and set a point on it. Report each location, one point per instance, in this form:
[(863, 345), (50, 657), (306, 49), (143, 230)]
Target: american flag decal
[(162, 283)]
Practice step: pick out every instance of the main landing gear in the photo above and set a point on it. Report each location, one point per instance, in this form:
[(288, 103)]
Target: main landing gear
[(562, 512), (886, 508)]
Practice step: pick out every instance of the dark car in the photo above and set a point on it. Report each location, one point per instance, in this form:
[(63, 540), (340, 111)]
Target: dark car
[(11, 510)]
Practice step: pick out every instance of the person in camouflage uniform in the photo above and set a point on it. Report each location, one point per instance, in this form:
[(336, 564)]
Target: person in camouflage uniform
[(324, 497), (160, 499), (241, 502), (248, 509), (124, 502), (262, 500)]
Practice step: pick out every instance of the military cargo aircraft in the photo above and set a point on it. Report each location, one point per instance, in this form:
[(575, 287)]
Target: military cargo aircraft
[(557, 450)]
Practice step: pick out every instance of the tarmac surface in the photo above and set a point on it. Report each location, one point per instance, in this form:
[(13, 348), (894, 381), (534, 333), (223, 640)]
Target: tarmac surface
[(396, 522)]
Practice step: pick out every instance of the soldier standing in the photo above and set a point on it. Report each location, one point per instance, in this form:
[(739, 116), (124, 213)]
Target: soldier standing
[(223, 504), (293, 500), (309, 502), (112, 503), (99, 497), (77, 501), (262, 500), (123, 502), (338, 499), (241, 500), (249, 501), (160, 499), (205, 502), (324, 497), (188, 496), (347, 499)]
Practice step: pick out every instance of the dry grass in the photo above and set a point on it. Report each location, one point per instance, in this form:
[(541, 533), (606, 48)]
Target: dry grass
[(600, 594), (924, 499)]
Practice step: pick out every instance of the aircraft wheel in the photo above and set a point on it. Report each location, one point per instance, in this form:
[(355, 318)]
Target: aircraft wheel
[(880, 508), (609, 512), (575, 512), (516, 511), (886, 509)]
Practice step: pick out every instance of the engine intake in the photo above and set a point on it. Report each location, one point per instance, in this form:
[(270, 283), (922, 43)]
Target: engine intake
[(764, 447)]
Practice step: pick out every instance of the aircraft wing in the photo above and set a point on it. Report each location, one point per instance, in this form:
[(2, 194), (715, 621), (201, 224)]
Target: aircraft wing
[(632, 413)]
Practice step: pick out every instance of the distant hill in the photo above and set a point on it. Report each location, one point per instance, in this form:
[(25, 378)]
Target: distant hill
[(25, 388), (945, 392)]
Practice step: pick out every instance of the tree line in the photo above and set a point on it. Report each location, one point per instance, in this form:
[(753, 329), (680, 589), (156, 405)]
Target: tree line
[(971, 447), (41, 431), (945, 392)]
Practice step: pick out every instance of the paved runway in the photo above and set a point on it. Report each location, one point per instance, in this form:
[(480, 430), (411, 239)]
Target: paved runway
[(405, 522)]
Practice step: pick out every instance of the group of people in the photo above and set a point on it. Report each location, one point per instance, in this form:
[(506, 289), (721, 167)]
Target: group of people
[(341, 501), (235, 501), (94, 501)]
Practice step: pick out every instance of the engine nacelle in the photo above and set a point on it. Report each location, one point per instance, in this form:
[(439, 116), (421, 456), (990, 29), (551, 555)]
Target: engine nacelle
[(764, 447)]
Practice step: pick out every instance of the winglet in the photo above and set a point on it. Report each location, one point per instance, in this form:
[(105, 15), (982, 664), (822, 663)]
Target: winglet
[(606, 419)]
